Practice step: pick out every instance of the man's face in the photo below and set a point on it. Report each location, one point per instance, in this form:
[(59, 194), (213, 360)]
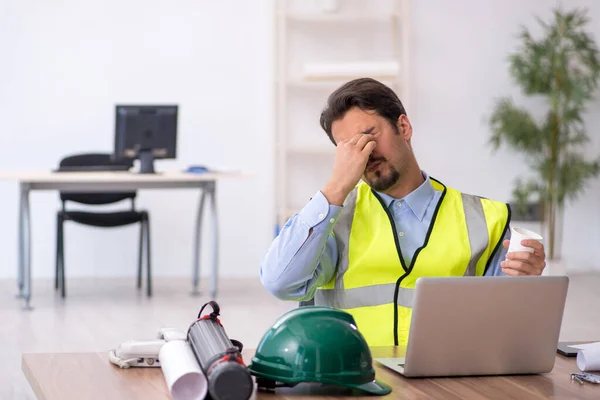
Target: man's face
[(388, 161)]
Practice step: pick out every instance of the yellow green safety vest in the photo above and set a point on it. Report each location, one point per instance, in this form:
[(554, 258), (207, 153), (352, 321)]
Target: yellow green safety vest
[(372, 281)]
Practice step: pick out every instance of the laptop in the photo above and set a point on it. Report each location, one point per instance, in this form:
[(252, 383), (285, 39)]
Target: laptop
[(473, 326)]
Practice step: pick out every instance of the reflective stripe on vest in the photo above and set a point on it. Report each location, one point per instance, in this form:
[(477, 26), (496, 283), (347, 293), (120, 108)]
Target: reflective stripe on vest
[(366, 296), (476, 230)]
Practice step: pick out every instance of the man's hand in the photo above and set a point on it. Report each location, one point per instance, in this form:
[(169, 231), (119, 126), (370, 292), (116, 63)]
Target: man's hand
[(351, 157), (519, 263)]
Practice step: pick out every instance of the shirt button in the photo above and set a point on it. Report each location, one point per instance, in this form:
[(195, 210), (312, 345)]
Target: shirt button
[(399, 203), (321, 216), (401, 234), (332, 220)]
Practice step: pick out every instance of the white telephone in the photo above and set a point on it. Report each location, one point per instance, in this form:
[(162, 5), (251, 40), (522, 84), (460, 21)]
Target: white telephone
[(136, 353)]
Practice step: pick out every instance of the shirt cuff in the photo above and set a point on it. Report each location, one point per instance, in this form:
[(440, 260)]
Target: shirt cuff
[(318, 211)]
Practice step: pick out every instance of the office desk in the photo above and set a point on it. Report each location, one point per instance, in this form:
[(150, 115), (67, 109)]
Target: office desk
[(114, 182), (90, 376)]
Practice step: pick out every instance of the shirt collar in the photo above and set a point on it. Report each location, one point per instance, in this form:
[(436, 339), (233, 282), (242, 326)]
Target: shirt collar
[(418, 200)]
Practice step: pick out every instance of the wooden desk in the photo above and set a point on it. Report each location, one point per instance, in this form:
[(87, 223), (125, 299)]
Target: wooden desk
[(90, 376), (114, 182)]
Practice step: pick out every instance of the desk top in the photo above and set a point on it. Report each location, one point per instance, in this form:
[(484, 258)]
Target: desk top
[(91, 376), (116, 176)]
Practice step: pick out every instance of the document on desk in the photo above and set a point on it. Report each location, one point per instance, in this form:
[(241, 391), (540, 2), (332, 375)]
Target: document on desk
[(588, 357)]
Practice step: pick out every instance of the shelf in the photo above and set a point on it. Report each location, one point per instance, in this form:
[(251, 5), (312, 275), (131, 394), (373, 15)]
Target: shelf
[(308, 69), (341, 18), (304, 84), (336, 71), (334, 84)]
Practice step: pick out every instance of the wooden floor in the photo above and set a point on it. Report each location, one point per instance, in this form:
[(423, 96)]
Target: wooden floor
[(99, 314)]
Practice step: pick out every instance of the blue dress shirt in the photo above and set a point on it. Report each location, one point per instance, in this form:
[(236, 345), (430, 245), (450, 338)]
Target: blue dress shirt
[(295, 266)]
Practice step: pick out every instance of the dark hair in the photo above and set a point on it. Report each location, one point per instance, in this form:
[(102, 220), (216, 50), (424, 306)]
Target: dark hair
[(366, 94)]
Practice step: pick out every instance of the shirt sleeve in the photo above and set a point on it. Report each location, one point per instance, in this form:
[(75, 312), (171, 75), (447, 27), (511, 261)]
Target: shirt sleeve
[(495, 269), (299, 261)]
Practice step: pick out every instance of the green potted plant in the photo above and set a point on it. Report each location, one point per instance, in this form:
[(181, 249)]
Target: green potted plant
[(561, 67)]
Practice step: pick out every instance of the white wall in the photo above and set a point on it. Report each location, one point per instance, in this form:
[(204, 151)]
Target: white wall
[(64, 64), (459, 66)]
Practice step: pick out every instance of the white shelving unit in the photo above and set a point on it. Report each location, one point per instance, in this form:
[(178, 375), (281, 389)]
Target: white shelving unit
[(320, 45)]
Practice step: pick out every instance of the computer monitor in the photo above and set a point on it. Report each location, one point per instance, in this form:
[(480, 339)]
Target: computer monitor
[(147, 133)]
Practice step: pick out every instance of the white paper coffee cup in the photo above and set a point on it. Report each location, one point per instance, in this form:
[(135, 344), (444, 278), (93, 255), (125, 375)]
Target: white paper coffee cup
[(520, 234), (183, 375)]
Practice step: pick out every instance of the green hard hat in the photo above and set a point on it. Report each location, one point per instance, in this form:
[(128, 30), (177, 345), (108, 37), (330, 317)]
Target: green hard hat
[(315, 344)]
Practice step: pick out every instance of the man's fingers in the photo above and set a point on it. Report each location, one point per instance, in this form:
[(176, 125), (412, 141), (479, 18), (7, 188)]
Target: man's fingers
[(537, 247), (513, 272), (362, 142), (523, 267), (354, 139), (534, 244), (369, 147), (516, 268), (531, 258), (526, 258)]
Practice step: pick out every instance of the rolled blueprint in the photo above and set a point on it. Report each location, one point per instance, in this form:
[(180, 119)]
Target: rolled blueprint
[(588, 357), (183, 375)]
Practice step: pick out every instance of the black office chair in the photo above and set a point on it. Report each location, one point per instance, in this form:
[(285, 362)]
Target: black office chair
[(100, 162)]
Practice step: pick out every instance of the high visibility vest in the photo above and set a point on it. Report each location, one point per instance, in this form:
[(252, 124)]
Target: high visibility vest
[(372, 281)]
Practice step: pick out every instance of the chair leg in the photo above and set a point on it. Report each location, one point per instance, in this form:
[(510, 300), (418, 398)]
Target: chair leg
[(61, 235), (148, 264), (140, 254)]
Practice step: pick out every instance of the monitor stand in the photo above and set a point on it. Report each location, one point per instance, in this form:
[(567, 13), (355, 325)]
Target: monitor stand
[(146, 162)]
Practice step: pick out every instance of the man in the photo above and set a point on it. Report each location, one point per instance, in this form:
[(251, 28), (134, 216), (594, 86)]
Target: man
[(360, 246)]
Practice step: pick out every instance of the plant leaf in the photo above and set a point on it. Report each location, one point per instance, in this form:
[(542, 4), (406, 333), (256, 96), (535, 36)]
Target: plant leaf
[(574, 171), (515, 127)]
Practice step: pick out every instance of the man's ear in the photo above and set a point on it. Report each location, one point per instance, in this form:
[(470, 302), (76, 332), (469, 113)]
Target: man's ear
[(404, 127)]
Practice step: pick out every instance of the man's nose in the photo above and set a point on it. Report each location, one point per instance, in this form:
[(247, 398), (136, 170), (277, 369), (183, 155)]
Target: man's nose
[(375, 155)]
